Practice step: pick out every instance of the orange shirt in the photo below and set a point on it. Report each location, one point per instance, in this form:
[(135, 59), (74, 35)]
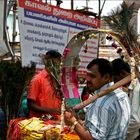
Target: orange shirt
[(41, 91)]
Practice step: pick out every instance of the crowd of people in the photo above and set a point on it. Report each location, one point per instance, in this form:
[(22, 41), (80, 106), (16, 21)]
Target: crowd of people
[(115, 116)]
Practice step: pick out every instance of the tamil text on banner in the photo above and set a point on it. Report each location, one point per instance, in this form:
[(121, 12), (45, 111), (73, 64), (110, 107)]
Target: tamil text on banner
[(44, 27)]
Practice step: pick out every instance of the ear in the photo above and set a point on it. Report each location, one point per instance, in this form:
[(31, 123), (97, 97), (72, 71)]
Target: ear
[(107, 78)]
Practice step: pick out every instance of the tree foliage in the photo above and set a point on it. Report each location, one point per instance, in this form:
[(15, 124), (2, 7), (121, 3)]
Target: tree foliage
[(121, 20), (13, 79)]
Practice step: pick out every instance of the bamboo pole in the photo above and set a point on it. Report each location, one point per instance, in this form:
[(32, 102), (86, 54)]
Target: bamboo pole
[(104, 92), (72, 5)]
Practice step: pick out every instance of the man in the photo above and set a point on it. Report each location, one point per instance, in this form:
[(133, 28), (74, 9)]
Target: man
[(121, 70), (108, 117), (43, 95)]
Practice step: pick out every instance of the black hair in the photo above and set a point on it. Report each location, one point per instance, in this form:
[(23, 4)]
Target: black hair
[(53, 54), (104, 66), (118, 65)]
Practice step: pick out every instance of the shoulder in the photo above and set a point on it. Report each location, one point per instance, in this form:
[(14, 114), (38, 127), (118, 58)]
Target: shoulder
[(137, 85), (120, 94), (112, 99), (41, 75)]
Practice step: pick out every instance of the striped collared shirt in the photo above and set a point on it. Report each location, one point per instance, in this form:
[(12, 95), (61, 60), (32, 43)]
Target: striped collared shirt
[(108, 117)]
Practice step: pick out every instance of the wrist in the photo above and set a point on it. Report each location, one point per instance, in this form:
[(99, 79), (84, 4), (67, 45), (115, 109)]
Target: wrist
[(74, 125), (73, 119)]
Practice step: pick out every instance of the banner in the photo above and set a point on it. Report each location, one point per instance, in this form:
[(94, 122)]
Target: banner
[(44, 27), (3, 48)]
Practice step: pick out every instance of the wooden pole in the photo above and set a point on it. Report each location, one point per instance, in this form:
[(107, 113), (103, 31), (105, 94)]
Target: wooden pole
[(104, 92), (72, 5)]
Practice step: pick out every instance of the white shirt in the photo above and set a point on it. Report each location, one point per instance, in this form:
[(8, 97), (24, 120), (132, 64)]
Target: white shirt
[(134, 126)]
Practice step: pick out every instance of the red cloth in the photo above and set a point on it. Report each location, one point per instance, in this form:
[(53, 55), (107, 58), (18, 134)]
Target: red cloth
[(13, 129), (43, 93), (85, 97)]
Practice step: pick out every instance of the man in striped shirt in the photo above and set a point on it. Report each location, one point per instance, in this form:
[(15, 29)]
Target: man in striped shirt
[(108, 117)]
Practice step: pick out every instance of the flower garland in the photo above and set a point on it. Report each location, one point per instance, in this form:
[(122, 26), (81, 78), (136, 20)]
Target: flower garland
[(62, 123)]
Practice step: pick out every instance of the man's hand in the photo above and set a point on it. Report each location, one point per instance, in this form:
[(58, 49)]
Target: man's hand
[(69, 118)]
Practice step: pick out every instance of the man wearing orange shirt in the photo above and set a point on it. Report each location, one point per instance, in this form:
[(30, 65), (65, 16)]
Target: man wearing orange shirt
[(43, 95)]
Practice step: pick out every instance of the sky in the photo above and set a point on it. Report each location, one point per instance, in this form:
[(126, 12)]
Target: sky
[(93, 4)]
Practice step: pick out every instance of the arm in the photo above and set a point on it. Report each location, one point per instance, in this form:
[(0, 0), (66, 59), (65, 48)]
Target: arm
[(99, 121), (79, 128), (83, 132), (36, 108), (33, 96)]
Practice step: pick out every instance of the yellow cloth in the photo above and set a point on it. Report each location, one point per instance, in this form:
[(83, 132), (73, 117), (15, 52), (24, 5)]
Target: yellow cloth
[(35, 129), (31, 128)]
